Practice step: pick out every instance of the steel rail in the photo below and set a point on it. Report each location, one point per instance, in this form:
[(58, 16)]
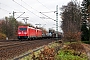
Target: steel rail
[(13, 45), (34, 50)]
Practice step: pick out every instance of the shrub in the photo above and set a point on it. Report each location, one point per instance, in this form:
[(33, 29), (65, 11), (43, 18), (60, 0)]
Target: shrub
[(2, 36), (68, 55), (73, 51), (72, 36)]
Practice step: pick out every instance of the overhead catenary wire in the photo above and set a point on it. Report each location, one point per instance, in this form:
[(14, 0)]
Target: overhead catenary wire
[(49, 12), (46, 12), (34, 9), (26, 8), (47, 16), (8, 6), (4, 10), (29, 5), (38, 11), (31, 11), (43, 5)]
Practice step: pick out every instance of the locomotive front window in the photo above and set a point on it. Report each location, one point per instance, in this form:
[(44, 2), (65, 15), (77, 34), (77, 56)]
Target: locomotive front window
[(22, 29)]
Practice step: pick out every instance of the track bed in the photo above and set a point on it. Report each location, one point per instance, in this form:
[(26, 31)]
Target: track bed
[(11, 49)]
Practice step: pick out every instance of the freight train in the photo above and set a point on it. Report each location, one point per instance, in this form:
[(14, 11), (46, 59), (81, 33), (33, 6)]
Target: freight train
[(27, 32)]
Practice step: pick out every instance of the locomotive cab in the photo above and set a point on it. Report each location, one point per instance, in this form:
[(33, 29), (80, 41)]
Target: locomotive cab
[(22, 32)]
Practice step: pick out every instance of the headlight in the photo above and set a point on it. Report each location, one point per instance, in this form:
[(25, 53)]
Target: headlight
[(19, 32), (25, 32)]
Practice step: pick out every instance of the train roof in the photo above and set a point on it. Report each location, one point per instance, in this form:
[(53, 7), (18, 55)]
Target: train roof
[(22, 26), (29, 27)]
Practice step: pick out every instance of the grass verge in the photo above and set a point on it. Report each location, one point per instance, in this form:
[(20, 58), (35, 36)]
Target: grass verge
[(72, 51)]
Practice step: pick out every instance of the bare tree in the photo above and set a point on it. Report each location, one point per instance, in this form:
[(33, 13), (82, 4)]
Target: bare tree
[(71, 17)]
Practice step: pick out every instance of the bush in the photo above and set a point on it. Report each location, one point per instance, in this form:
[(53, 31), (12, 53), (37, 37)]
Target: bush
[(73, 51), (72, 36), (2, 36), (68, 55), (87, 42)]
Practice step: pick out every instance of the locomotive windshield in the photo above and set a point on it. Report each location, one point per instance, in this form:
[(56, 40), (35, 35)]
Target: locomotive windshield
[(22, 29)]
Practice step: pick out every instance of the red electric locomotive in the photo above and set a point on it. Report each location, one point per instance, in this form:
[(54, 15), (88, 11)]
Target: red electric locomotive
[(26, 32), (22, 32), (38, 33)]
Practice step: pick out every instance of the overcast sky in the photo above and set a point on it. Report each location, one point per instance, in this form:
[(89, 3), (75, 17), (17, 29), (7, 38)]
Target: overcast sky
[(32, 9)]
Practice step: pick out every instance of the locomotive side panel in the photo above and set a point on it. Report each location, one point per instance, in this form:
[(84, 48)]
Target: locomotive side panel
[(32, 33), (38, 33)]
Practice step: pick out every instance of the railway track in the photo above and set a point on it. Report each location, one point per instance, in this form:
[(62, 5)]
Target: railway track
[(10, 49), (8, 45)]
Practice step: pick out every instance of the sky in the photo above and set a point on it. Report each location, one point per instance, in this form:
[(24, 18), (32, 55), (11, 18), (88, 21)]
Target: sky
[(32, 9)]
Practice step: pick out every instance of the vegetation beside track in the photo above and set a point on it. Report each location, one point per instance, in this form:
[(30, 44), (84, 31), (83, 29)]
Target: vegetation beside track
[(87, 42), (70, 51), (2, 36), (47, 52)]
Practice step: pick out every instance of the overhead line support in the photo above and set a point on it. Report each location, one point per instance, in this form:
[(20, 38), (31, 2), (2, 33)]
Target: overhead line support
[(57, 22)]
